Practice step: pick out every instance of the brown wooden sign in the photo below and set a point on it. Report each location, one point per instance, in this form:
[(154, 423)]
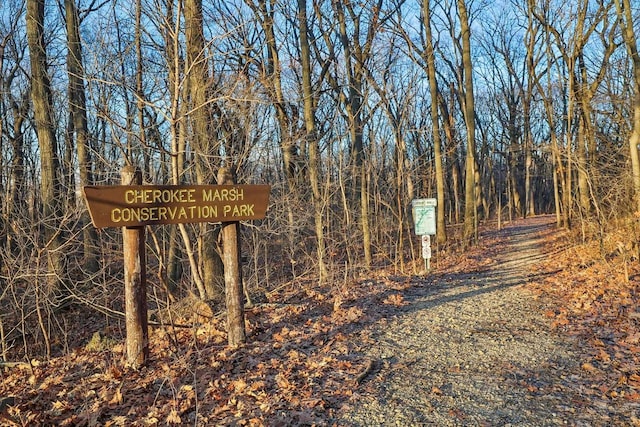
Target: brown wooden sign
[(139, 205)]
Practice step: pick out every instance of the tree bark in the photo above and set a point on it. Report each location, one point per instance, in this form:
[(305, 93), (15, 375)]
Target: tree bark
[(287, 117), (236, 334), (174, 266), (356, 55), (441, 234), (470, 210), (312, 140), (135, 284), (78, 110), (625, 20), (198, 86), (50, 184), (455, 168), (15, 200)]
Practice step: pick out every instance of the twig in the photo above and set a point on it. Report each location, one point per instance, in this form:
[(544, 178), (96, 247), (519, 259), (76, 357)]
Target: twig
[(367, 370), (12, 364)]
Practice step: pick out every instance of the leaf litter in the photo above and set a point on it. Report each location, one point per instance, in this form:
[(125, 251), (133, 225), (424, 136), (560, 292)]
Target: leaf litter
[(304, 360)]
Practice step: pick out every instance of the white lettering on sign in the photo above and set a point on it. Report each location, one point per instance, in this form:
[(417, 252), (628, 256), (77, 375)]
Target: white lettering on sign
[(237, 210), (163, 213), (223, 195), (157, 196), (133, 206)]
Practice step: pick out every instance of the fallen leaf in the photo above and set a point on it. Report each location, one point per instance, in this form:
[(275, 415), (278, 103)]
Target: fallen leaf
[(173, 417), (239, 385), (634, 397), (116, 399), (395, 300)]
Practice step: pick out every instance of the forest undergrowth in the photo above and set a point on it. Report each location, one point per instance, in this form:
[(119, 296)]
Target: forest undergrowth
[(596, 289), (300, 364)]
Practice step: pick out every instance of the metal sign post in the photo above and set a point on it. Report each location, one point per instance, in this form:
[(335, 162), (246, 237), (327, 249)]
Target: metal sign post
[(424, 220), (426, 250)]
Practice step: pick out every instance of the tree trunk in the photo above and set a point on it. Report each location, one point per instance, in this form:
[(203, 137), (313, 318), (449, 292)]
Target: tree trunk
[(453, 158), (78, 110), (16, 202), (312, 139), (287, 118), (198, 79), (470, 210), (364, 211), (356, 56), (441, 234), (625, 21), (50, 185), (568, 136), (527, 95), (174, 261), (581, 163)]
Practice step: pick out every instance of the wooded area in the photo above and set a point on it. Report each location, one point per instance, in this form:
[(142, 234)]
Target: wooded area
[(349, 110)]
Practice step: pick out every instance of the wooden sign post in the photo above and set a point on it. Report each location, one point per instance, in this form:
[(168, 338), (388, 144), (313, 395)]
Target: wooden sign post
[(135, 284), (133, 206), (236, 333)]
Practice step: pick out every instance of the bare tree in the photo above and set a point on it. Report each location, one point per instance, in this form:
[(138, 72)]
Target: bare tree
[(287, 114), (199, 96), (625, 20), (312, 139), (583, 80), (78, 123), (51, 192), (357, 48), (14, 108), (429, 59), (471, 183)]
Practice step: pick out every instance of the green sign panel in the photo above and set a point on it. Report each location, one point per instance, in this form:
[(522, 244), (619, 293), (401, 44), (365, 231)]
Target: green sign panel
[(424, 216)]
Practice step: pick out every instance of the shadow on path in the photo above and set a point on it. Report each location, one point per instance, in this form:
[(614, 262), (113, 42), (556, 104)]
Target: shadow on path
[(518, 250), (468, 347)]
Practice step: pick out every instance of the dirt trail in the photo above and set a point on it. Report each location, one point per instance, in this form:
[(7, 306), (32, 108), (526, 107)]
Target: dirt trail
[(474, 348)]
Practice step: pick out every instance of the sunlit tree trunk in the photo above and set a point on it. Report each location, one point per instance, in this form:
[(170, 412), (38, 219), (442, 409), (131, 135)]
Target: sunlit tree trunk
[(513, 161), (558, 169), (286, 115), (548, 97), (179, 91), (568, 141), (357, 55), (174, 253), (527, 95), (441, 235), (625, 20), (312, 139), (45, 128), (581, 163), (78, 110), (198, 86), (452, 154), (470, 209)]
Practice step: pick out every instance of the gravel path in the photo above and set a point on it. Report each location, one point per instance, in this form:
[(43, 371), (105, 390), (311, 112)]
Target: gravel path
[(472, 349)]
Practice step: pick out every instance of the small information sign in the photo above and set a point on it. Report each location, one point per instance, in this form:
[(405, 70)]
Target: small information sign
[(424, 216), (426, 246)]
